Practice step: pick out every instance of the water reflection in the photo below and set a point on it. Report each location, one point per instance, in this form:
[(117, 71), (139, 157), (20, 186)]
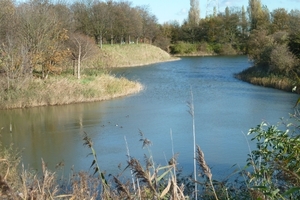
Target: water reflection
[(225, 108)]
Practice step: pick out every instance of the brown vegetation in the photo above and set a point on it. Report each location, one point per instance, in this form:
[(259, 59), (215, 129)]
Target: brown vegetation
[(133, 55), (67, 90), (253, 76)]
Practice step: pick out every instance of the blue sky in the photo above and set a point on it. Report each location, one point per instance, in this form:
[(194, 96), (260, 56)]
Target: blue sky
[(167, 10)]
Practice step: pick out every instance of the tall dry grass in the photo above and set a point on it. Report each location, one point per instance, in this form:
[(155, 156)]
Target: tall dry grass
[(59, 90), (256, 76)]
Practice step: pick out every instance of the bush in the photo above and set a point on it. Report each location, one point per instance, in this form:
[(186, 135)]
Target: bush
[(227, 49), (183, 48), (275, 162), (282, 60)]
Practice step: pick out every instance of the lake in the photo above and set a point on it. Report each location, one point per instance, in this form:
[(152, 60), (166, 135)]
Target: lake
[(225, 109)]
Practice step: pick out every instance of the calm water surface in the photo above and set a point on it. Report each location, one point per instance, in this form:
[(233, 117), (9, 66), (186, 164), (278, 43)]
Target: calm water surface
[(225, 109)]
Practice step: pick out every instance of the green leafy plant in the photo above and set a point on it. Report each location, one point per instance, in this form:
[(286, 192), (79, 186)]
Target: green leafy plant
[(276, 162)]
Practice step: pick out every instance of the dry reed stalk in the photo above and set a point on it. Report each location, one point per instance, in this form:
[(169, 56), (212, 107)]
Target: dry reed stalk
[(205, 169), (122, 188), (5, 190), (35, 188), (141, 173), (192, 113), (177, 192), (131, 172), (85, 186)]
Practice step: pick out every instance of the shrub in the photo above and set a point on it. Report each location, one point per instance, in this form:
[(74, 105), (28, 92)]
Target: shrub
[(183, 48), (227, 49), (275, 162), (282, 60)]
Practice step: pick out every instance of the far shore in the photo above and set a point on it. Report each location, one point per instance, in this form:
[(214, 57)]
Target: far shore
[(148, 63)]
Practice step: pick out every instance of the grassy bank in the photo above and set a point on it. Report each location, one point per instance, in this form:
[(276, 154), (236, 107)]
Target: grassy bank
[(132, 55), (256, 76), (59, 90)]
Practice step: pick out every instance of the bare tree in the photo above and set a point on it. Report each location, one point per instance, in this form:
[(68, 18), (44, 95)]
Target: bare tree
[(7, 10), (150, 25), (42, 36), (99, 21), (82, 47)]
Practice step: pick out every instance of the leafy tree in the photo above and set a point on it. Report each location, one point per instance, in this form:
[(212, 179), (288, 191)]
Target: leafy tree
[(280, 20), (163, 39), (258, 15), (294, 21), (194, 13), (294, 44), (230, 30), (260, 46), (193, 20), (244, 23)]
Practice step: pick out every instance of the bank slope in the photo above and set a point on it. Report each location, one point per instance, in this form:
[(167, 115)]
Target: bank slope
[(132, 55)]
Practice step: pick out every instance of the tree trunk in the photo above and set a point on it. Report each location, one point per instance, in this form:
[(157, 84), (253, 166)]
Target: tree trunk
[(111, 39), (79, 62), (101, 41), (74, 67)]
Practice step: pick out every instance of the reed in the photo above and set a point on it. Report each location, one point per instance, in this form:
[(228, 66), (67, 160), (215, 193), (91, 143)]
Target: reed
[(206, 170), (256, 76), (192, 113)]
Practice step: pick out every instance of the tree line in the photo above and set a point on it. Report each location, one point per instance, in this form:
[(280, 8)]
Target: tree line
[(271, 39), (45, 36)]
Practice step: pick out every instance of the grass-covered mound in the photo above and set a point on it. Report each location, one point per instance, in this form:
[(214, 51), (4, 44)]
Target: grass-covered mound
[(132, 55)]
